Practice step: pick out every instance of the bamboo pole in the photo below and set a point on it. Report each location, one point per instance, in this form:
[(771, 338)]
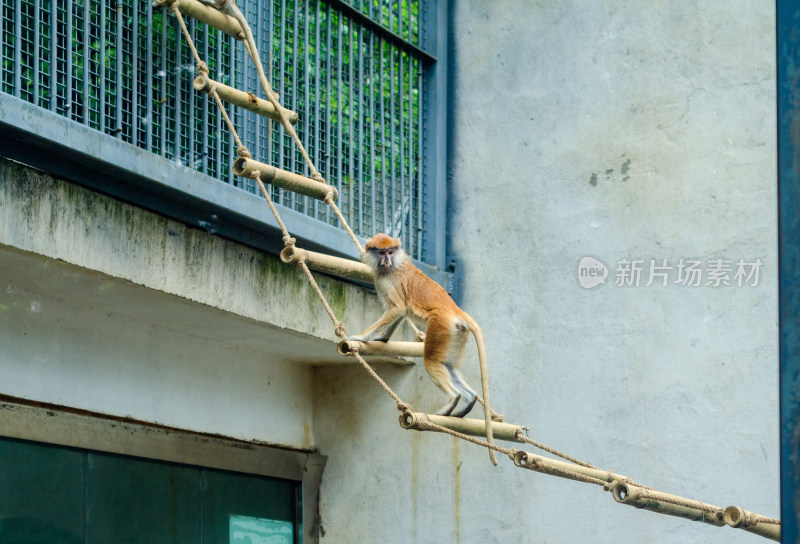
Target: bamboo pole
[(625, 492), (656, 501), (328, 264), (248, 101), (546, 465), (474, 427), (742, 519), (208, 15), (282, 178), (383, 349)]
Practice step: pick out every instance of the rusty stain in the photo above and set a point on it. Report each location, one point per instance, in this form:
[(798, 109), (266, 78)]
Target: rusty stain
[(252, 98), (415, 445), (457, 488), (133, 426)]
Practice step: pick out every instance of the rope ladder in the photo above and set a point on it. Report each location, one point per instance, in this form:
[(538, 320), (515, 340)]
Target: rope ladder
[(226, 17)]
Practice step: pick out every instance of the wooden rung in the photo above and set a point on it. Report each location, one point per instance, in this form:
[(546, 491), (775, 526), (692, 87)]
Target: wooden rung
[(328, 264), (384, 349), (625, 493), (742, 519), (248, 101), (538, 463), (209, 15), (472, 427), (282, 178)]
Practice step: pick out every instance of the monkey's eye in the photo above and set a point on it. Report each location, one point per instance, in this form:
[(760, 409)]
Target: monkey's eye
[(390, 252)]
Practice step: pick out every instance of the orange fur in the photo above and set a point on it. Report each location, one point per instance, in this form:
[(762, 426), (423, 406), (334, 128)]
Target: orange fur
[(406, 292)]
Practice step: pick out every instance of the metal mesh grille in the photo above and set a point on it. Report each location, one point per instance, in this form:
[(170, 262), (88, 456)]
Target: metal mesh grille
[(122, 68)]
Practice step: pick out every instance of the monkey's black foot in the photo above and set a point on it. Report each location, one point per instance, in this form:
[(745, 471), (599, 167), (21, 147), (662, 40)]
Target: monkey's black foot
[(465, 410), (382, 339), (447, 410)]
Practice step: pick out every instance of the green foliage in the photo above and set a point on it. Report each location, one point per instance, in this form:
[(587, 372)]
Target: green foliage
[(124, 68), (326, 56)]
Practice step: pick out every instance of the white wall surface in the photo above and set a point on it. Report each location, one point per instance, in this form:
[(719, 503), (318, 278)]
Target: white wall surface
[(109, 308), (638, 130), (621, 131)]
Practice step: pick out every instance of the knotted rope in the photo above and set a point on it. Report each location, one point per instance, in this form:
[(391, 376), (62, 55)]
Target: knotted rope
[(339, 328)]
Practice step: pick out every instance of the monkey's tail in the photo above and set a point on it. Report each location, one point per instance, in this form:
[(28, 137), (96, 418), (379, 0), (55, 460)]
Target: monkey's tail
[(487, 410)]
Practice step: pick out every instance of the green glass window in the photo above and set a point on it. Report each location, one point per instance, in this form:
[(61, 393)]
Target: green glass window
[(56, 495), (42, 494)]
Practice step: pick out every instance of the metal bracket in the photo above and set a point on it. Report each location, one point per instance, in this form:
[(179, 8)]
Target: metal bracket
[(455, 278)]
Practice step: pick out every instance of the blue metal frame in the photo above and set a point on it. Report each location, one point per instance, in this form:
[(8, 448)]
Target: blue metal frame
[(788, 49), (124, 69), (53, 143), (49, 119), (435, 40)]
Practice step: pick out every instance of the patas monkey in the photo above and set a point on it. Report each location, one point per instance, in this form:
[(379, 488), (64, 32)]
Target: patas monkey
[(406, 292)]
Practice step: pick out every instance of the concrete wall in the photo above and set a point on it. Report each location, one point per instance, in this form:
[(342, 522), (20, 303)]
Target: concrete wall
[(620, 131), (642, 131), (109, 308)]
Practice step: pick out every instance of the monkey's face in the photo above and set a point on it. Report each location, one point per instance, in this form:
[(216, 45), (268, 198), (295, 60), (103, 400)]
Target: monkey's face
[(383, 253), (385, 258)]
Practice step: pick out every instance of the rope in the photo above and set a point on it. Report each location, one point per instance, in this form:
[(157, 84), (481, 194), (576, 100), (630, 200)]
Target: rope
[(402, 406), (330, 202), (425, 424), (653, 495), (554, 451), (339, 328), (758, 518), (202, 67), (287, 238), (680, 501), (566, 473), (213, 94), (250, 45)]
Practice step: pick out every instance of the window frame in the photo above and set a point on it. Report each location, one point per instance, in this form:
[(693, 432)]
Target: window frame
[(49, 141), (84, 430)]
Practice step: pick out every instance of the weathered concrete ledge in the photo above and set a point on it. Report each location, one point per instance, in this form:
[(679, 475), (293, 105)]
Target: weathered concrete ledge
[(55, 219)]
